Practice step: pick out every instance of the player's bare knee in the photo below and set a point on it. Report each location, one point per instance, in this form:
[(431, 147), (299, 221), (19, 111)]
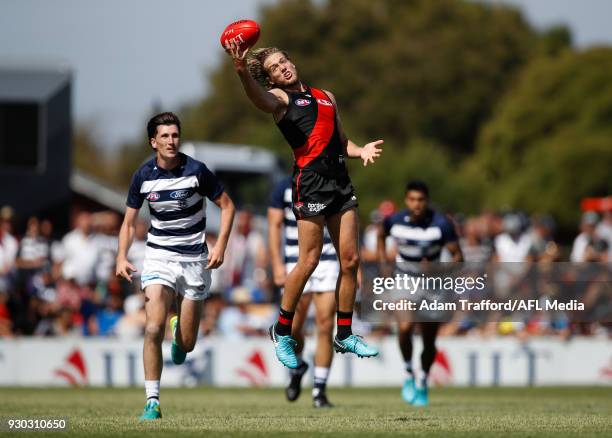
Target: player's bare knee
[(154, 332), (310, 262), (349, 263), (325, 327)]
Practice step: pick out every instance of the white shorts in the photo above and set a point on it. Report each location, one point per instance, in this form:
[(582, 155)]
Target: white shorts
[(189, 279), (323, 279)]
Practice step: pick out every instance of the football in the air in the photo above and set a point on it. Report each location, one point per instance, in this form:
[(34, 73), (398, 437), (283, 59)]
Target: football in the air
[(243, 33)]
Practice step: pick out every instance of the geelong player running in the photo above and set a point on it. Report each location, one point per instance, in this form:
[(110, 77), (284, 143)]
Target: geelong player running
[(318, 289), (177, 260), (322, 191), (420, 234)]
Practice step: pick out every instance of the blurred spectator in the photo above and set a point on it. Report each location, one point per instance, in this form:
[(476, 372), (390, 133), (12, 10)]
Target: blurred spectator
[(34, 248), (33, 254), (105, 321), (543, 246), (492, 224), (7, 219), (600, 251), (8, 255), (212, 311), (241, 319), (53, 304), (106, 229), (6, 329), (586, 237), (79, 251), (473, 243), (596, 250), (597, 296), (132, 323), (80, 298), (246, 257), (369, 245), (604, 230), (55, 247), (43, 286), (60, 322), (513, 245)]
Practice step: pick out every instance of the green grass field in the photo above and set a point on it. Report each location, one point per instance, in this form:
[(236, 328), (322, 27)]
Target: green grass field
[(466, 412)]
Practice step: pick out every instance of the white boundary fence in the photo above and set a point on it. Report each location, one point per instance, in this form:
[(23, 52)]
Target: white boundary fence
[(251, 362)]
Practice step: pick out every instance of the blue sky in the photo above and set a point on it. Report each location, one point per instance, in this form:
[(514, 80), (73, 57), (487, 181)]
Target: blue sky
[(128, 54)]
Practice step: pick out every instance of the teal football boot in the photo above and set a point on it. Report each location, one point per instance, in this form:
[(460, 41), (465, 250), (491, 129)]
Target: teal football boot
[(354, 344), (151, 411), (178, 355), (285, 348), (409, 390), (421, 398)]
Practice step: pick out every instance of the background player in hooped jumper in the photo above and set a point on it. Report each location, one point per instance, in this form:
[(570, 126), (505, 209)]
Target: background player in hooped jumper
[(421, 234), (322, 191), (282, 226), (177, 261)]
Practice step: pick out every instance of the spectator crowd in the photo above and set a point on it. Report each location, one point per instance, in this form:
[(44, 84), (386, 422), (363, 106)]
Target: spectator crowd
[(54, 285)]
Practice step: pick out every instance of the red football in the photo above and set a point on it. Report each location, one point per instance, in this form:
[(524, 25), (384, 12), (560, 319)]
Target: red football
[(242, 33)]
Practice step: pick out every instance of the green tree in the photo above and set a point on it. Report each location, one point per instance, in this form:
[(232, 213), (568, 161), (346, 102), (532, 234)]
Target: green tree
[(550, 141), (401, 70), (87, 155), (424, 75), (131, 155)]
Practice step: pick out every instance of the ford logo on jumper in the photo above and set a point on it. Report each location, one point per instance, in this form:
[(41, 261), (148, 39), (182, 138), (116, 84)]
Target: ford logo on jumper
[(180, 194)]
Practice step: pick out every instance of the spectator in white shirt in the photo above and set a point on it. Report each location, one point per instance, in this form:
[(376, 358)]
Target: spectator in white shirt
[(513, 245), (586, 238), (8, 253), (80, 251), (604, 230)]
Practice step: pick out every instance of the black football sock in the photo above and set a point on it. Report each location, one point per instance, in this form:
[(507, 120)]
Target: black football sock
[(344, 319), (283, 325), (320, 381)]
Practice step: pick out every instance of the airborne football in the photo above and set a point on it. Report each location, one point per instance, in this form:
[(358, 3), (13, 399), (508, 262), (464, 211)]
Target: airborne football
[(353, 219), (244, 33)]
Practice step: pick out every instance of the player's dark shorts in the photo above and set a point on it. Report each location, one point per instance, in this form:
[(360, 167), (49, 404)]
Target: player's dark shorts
[(317, 195)]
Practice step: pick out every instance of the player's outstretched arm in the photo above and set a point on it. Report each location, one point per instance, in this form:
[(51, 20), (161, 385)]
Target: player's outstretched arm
[(217, 254), (351, 150), (126, 236), (274, 101)]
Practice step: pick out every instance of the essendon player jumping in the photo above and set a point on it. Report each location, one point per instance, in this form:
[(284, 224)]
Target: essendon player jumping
[(322, 191)]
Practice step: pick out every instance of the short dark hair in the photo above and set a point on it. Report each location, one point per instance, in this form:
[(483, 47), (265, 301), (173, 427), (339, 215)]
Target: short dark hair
[(419, 186), (166, 118)]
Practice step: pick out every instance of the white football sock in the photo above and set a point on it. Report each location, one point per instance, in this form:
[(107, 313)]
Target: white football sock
[(152, 388), (422, 380), (408, 368), (320, 379)]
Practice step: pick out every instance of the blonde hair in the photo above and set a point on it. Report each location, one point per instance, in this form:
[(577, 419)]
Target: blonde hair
[(256, 61)]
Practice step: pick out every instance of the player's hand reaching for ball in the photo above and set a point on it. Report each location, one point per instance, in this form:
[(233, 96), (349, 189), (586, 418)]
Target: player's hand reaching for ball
[(124, 269), (239, 56), (215, 258), (370, 151)]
